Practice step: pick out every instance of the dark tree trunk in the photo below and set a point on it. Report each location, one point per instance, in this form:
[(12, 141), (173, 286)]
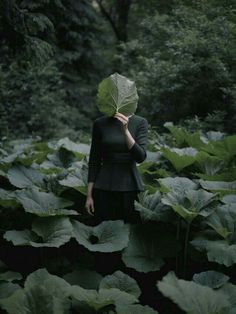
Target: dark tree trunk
[(123, 7), (117, 17)]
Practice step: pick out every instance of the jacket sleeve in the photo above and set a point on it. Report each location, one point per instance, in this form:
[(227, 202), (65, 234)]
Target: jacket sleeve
[(138, 150), (94, 162)]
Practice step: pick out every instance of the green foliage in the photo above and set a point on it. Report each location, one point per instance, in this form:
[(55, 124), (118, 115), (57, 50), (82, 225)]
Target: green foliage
[(109, 236), (185, 221), (45, 232), (211, 278), (60, 297), (49, 63), (34, 101), (181, 54), (43, 204), (183, 61), (149, 245), (49, 287), (213, 121), (193, 298), (121, 281), (21, 24)]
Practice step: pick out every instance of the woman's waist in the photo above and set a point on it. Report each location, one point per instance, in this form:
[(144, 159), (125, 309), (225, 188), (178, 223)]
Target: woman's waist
[(117, 157)]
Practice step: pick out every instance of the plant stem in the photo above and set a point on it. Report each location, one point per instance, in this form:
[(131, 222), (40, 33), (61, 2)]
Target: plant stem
[(177, 238), (186, 247)]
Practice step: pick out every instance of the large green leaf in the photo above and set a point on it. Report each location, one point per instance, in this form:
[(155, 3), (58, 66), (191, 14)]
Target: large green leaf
[(218, 250), (227, 175), (62, 158), (229, 199), (225, 148), (122, 282), (151, 207), (223, 221), (46, 231), (42, 293), (79, 149), (7, 199), (43, 204), (76, 178), (3, 174), (102, 298), (177, 184), (190, 203), (184, 138), (23, 177), (180, 158), (230, 291), (178, 133), (219, 186), (116, 93), (209, 165), (49, 167), (192, 297), (10, 276), (17, 157), (211, 278), (195, 139), (108, 236), (7, 289), (149, 244)]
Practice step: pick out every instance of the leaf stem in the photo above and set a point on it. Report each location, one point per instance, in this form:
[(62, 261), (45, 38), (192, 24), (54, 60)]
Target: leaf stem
[(177, 239), (186, 247)]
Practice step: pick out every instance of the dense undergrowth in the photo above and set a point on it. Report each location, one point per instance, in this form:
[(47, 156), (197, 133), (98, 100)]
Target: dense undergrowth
[(179, 259)]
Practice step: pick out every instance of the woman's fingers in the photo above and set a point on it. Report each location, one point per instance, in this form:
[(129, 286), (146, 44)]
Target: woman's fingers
[(90, 209), (122, 118)]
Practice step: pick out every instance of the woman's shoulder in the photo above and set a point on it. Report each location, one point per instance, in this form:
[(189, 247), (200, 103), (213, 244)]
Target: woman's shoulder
[(99, 120), (140, 121), (139, 118)]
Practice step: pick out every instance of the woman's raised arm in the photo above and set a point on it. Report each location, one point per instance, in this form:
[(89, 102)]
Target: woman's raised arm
[(138, 150)]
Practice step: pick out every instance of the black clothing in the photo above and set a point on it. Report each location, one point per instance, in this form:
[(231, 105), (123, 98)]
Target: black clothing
[(113, 205), (112, 165)]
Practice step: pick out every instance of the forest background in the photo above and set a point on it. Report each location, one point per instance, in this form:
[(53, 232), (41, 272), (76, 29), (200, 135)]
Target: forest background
[(54, 53)]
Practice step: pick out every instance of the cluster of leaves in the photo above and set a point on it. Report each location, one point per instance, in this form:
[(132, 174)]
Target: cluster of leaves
[(193, 177), (116, 293), (188, 206), (37, 178)]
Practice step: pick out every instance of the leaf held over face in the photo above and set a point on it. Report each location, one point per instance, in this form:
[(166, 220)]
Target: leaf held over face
[(117, 93)]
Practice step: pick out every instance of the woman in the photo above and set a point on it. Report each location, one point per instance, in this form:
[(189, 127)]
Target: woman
[(118, 142)]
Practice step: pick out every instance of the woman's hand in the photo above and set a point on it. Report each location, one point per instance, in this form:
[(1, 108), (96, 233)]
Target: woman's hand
[(89, 205), (129, 138), (124, 120)]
